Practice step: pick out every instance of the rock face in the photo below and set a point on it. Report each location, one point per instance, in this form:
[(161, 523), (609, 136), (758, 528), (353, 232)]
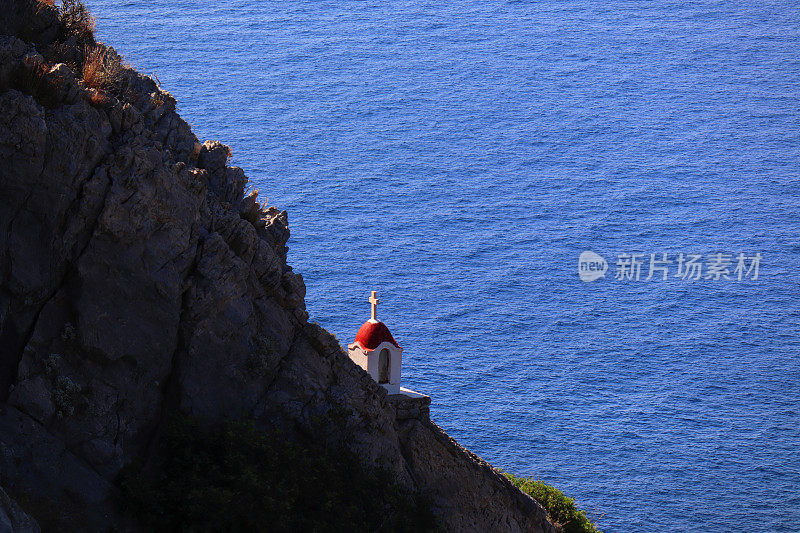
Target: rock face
[(13, 519), (139, 279)]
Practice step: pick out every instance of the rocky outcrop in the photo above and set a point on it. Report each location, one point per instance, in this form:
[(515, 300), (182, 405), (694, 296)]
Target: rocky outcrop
[(13, 519), (139, 278)]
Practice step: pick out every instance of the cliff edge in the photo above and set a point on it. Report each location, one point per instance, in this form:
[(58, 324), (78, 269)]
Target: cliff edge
[(139, 280)]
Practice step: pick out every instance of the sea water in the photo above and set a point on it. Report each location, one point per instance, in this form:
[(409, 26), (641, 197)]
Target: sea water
[(458, 157)]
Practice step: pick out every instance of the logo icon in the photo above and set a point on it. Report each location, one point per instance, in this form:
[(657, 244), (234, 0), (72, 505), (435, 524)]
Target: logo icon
[(591, 266)]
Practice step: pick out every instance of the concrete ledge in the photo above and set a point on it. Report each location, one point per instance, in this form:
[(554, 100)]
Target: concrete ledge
[(410, 404)]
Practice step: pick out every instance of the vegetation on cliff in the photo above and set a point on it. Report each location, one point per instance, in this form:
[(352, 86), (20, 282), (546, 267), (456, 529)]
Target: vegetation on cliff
[(72, 42), (562, 509)]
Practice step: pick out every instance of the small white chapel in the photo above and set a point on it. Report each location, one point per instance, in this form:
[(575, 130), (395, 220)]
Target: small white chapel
[(376, 351)]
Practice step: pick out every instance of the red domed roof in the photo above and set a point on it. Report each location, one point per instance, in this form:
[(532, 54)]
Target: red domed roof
[(372, 334)]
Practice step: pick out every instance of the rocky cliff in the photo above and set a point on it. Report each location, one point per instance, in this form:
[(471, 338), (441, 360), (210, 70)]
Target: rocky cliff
[(139, 279)]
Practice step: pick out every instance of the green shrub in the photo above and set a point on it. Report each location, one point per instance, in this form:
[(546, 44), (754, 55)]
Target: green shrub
[(560, 508), (234, 477), (66, 396)]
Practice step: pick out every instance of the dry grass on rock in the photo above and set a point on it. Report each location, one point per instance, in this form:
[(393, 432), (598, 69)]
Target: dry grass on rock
[(77, 20)]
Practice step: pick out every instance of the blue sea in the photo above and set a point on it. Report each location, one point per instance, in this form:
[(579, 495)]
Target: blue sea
[(458, 157)]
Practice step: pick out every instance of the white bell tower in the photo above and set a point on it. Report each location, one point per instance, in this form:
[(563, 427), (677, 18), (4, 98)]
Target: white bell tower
[(376, 351)]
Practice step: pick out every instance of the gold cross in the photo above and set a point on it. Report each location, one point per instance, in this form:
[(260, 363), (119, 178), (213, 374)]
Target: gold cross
[(374, 301)]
